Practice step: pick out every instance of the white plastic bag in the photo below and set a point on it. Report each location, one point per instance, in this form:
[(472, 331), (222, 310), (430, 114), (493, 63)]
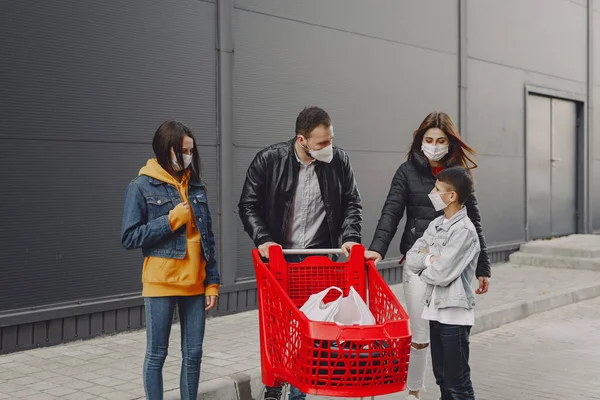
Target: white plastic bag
[(352, 310), (316, 310)]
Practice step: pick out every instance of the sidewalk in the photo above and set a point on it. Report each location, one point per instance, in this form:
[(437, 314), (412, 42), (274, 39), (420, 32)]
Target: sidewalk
[(110, 367)]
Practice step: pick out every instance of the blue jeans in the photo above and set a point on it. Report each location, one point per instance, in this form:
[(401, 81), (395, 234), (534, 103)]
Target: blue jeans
[(450, 359), (295, 394), (159, 317)]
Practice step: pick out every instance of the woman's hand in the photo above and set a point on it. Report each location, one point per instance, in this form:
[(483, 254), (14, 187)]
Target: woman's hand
[(182, 210), (211, 302), (179, 216), (373, 255), (484, 285)]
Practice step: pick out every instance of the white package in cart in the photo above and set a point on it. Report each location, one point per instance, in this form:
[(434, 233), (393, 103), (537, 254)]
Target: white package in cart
[(349, 310), (352, 310), (316, 310)]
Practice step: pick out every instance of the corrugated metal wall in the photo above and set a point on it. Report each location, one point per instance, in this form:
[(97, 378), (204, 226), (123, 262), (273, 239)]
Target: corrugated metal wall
[(84, 85)]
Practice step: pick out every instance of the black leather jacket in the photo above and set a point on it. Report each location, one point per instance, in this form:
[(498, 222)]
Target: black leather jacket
[(269, 189), (409, 190)]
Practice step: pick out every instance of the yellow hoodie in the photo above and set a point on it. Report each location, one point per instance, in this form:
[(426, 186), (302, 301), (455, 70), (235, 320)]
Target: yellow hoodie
[(170, 276)]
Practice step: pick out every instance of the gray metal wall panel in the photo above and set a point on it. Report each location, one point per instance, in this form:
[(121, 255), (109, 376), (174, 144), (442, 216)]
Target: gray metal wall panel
[(496, 120), (88, 97), (495, 104), (61, 239), (60, 330), (106, 71), (431, 24), (376, 91), (501, 177), (546, 36)]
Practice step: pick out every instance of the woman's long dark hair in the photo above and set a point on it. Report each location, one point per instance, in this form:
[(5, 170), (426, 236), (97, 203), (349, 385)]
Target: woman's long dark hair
[(459, 153), (169, 135)]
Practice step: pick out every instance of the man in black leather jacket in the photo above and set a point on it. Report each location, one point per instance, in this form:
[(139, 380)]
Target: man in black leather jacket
[(302, 194), (305, 178)]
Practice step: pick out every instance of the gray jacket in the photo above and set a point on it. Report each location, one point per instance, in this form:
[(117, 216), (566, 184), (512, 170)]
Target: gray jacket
[(456, 245)]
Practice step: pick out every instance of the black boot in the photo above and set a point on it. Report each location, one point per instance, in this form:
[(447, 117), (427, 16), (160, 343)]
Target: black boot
[(273, 393)]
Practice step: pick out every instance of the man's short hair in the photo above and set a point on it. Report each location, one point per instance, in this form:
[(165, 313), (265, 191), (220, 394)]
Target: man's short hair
[(460, 179), (309, 119)]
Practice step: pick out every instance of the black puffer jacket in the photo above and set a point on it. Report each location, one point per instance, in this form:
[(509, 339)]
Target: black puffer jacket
[(269, 189), (409, 190)]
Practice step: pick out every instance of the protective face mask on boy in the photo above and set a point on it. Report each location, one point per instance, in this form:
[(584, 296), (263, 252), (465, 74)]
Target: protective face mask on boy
[(187, 160), (437, 201), (434, 152)]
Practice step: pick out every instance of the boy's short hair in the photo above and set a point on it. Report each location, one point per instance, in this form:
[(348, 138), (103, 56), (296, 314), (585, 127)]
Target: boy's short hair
[(461, 181)]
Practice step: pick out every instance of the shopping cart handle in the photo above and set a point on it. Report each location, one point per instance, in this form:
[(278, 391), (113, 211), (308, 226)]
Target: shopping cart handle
[(312, 251)]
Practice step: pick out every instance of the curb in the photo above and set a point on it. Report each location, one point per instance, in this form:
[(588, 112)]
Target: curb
[(553, 261), (232, 387), (515, 311), (248, 386)]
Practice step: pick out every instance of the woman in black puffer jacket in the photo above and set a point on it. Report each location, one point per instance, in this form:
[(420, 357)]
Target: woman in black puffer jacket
[(436, 145)]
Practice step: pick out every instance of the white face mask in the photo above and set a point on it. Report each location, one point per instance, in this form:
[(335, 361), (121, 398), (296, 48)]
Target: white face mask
[(187, 160), (433, 152), (325, 154), (437, 201)]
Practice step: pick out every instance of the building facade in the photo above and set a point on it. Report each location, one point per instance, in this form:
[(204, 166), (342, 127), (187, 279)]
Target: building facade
[(84, 85)]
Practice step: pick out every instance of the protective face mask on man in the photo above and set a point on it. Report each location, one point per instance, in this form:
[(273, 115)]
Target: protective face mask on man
[(187, 160), (436, 200), (434, 152), (325, 154)]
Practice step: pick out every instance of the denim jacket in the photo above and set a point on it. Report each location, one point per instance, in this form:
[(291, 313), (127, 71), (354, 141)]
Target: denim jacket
[(146, 221), (456, 245)]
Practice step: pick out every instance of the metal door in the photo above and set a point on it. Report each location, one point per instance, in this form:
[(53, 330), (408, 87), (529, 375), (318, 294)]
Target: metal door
[(563, 160), (539, 179), (551, 167)]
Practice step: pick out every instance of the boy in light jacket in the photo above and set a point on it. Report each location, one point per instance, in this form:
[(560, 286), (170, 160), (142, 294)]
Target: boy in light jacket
[(445, 258)]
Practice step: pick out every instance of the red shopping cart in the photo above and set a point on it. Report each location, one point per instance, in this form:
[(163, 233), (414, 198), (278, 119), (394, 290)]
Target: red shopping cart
[(325, 358)]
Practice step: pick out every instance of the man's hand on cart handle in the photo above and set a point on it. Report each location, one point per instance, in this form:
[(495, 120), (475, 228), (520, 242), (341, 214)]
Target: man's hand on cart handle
[(263, 249), (373, 255), (347, 246)]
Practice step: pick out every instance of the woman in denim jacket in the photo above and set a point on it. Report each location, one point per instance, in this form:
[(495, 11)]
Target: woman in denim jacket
[(166, 214)]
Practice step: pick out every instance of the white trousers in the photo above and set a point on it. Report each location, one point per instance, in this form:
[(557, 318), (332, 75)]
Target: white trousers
[(414, 290)]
